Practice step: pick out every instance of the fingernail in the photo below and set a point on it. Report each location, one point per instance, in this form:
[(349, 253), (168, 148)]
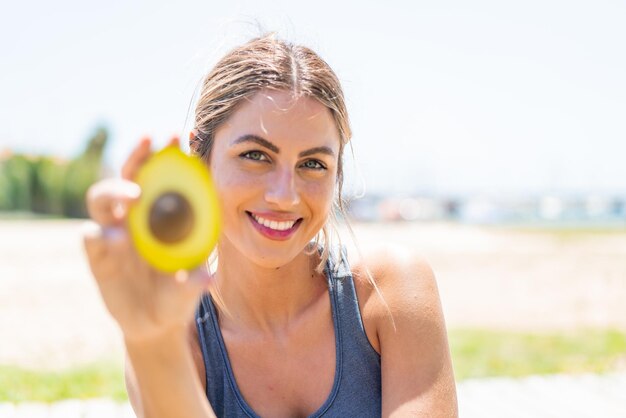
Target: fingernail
[(91, 229), (113, 233), (133, 190), (181, 276)]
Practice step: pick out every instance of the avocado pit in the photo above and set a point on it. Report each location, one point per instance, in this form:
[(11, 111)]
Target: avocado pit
[(171, 217)]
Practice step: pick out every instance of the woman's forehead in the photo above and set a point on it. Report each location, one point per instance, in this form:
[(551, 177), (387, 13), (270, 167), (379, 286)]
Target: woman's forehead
[(283, 104), (281, 116)]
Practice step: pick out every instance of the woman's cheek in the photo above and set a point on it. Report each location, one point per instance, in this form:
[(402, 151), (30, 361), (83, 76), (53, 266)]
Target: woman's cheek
[(228, 180), (321, 193)]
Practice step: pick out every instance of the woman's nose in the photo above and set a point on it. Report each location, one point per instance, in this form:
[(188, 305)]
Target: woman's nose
[(282, 190)]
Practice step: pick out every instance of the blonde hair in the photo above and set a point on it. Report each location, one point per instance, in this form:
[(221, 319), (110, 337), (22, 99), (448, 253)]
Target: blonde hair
[(270, 63)]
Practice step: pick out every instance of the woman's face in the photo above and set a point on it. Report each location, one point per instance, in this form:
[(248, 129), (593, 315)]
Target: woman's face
[(274, 164)]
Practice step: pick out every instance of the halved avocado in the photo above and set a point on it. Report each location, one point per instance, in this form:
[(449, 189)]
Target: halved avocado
[(175, 223)]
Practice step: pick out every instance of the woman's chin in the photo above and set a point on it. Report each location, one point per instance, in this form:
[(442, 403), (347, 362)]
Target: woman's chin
[(273, 259), (268, 255)]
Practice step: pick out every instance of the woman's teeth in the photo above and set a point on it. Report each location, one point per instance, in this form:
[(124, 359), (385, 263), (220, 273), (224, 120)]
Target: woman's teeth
[(278, 226)]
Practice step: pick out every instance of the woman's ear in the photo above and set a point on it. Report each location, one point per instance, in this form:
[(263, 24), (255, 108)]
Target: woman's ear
[(194, 144)]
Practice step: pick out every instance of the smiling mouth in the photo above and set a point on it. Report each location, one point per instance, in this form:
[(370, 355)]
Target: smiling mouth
[(274, 229)]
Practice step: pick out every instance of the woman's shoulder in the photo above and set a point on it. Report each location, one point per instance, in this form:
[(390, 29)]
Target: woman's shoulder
[(404, 287), (394, 269)]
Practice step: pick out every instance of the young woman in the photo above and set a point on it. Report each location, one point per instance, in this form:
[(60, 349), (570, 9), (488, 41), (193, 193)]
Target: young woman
[(285, 325)]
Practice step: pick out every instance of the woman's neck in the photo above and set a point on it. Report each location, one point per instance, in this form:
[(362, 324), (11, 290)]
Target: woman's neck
[(266, 300)]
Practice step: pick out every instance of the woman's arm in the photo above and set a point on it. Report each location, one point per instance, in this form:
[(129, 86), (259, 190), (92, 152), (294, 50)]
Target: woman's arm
[(163, 380), (132, 387), (417, 374), (153, 309)]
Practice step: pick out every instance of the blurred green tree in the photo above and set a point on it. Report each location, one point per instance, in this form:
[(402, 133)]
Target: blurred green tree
[(81, 173), (48, 185), (17, 179)]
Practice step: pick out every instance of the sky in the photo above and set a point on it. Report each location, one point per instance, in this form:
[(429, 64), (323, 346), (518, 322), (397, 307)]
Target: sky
[(446, 97)]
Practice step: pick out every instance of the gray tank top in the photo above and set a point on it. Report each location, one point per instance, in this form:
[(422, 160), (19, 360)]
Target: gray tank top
[(356, 390)]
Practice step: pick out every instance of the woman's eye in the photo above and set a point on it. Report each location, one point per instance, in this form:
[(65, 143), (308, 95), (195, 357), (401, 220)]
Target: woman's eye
[(314, 165), (253, 155)]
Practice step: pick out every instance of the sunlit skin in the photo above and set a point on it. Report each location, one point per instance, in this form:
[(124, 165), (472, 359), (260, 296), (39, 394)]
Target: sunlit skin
[(279, 336), (290, 178)]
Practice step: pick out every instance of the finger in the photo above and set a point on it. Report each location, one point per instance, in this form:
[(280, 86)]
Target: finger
[(174, 142), (97, 238), (138, 156), (199, 276), (93, 243), (108, 200), (100, 242), (109, 252)]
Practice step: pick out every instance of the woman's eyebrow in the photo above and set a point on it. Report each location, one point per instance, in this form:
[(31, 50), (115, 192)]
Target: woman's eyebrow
[(317, 150), (257, 139), (267, 144)]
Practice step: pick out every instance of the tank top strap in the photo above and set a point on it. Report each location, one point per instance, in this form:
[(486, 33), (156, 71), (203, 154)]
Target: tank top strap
[(218, 386), (348, 312)]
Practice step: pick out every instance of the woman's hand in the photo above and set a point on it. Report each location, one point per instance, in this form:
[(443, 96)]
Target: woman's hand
[(147, 304)]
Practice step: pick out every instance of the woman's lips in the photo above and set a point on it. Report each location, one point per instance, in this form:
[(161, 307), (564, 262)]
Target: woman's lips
[(273, 233)]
